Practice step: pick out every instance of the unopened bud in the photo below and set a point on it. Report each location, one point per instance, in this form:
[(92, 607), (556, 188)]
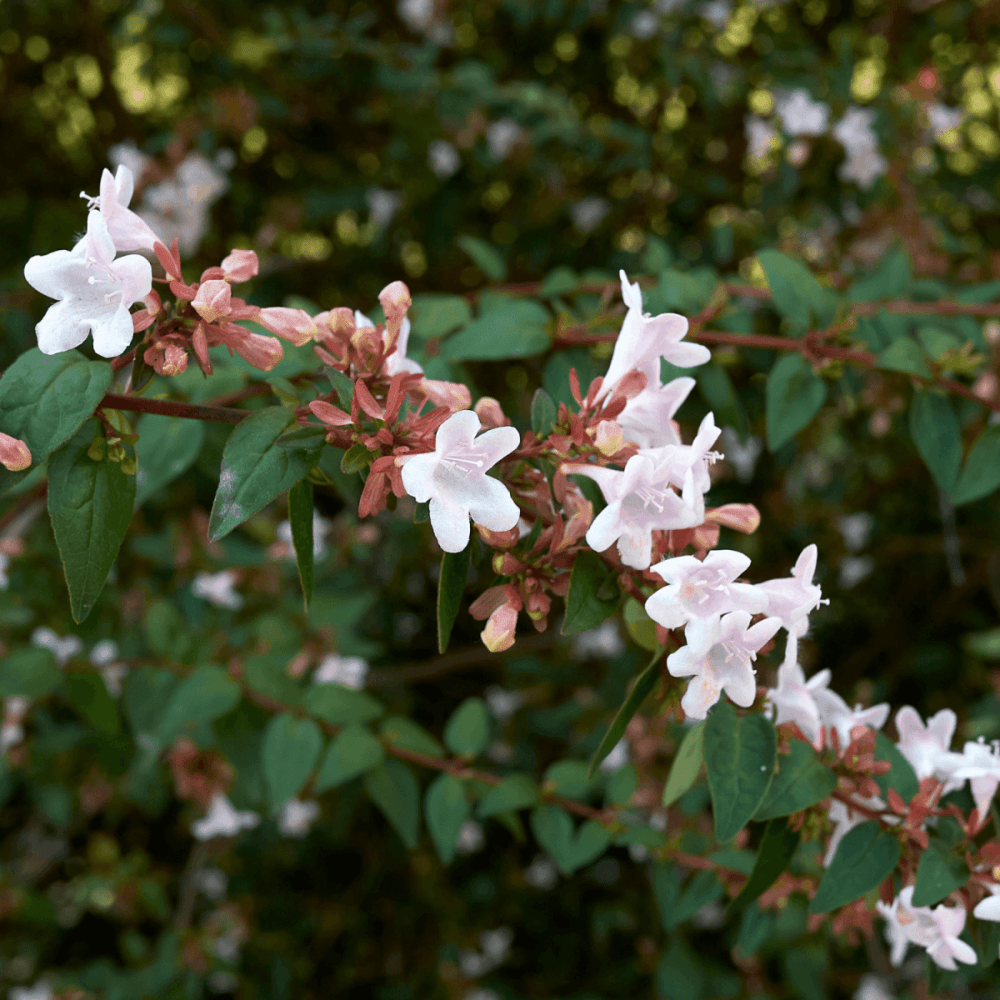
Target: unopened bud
[(395, 299), (499, 632), (175, 360), (213, 300), (608, 437), (14, 453), (240, 265), (339, 321), (490, 413), (450, 394), (505, 564), (261, 352), (294, 325), (739, 516)]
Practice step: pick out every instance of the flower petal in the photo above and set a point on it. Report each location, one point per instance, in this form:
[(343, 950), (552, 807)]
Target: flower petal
[(136, 276), (605, 529), (61, 329), (489, 503), (497, 443), (112, 332), (58, 274), (459, 429), (451, 525), (418, 475)]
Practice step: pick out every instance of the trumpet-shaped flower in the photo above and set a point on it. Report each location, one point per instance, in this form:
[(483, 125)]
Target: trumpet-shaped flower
[(640, 501), (936, 930), (127, 230), (989, 908), (646, 338), (699, 589), (647, 419), (453, 478), (397, 361), (719, 657), (793, 700), (837, 715), (95, 292), (675, 460), (222, 820), (980, 763), (927, 747), (791, 598)]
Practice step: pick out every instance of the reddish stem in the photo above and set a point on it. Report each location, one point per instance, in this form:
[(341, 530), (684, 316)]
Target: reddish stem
[(172, 408)]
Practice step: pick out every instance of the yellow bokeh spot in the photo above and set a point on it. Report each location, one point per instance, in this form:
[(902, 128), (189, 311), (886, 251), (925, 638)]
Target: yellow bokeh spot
[(88, 76), (978, 103), (250, 50), (984, 138), (962, 161), (626, 89), (566, 47), (346, 227), (414, 259), (761, 102), (674, 114), (254, 143), (36, 48), (631, 239), (866, 81), (306, 246), (620, 46), (496, 196)]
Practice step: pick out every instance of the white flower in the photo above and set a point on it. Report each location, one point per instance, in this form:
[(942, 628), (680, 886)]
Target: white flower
[(218, 589), (443, 159), (989, 908), (471, 837), (588, 213), (418, 14), (927, 747), (719, 656), (980, 763), (855, 133), (942, 118), (601, 643), (947, 947), (542, 873), (222, 820), (761, 136), (127, 230), (321, 528), (15, 709), (836, 714), (383, 205), (104, 652), (62, 648), (296, 817), (793, 699), (864, 167), (453, 478), (617, 758), (742, 457), (801, 115), (792, 598), (679, 459), (95, 292), (212, 882), (103, 656), (640, 501), (872, 988), (502, 703), (647, 419), (350, 671), (856, 529), (644, 338), (40, 991), (716, 12), (502, 136), (703, 589)]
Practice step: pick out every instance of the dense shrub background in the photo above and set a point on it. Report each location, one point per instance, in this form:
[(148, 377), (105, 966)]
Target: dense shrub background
[(327, 107)]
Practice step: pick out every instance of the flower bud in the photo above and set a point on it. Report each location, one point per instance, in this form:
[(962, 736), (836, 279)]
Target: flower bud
[(608, 437), (505, 564), (261, 352), (14, 453), (240, 265), (329, 414), (739, 516), (339, 321), (395, 299), (294, 325), (487, 602), (490, 413), (175, 360), (450, 394), (499, 632), (213, 300)]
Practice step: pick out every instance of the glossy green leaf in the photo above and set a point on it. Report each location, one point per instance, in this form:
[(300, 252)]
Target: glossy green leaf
[(255, 470), (802, 781), (90, 504), (166, 449), (352, 752), (516, 792), (584, 608), (568, 778), (396, 792), (437, 315), (740, 752), (686, 765), (30, 672), (794, 396), (517, 329), (796, 293), (935, 431), (981, 475), (451, 585), (205, 695), (939, 873), (904, 355), (867, 855), (892, 278), (339, 704), (300, 517), (90, 698), (901, 777), (289, 752), (411, 735), (543, 413), (570, 849), (702, 889), (468, 729), (774, 853), (446, 808), (487, 258), (356, 458)]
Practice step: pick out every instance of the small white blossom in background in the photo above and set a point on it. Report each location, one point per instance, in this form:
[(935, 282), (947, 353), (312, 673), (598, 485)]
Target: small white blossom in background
[(762, 137), (62, 648), (471, 838), (383, 205), (211, 883), (617, 758), (801, 115), (716, 12), (742, 457), (321, 528), (443, 159), (15, 709), (854, 569), (222, 820), (588, 213), (872, 988), (297, 817), (494, 944), (40, 991), (502, 703), (104, 656), (855, 132), (351, 671), (856, 529), (935, 930), (644, 25), (942, 118), (542, 873), (222, 982), (502, 136), (218, 589), (602, 643)]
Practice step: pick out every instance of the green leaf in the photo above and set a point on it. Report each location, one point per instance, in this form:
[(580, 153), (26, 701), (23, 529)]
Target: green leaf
[(553, 829), (892, 278), (516, 792), (794, 396), (797, 295), (30, 672), (568, 778), (167, 448), (353, 751), (485, 257), (866, 856), (904, 355), (300, 517), (165, 632), (44, 399), (740, 752), (205, 695), (90, 504), (356, 458), (451, 585), (704, 888), (289, 752), (339, 704), (255, 470), (981, 475), (517, 329), (584, 608), (90, 698), (935, 431), (543, 413), (632, 703), (687, 763), (446, 808), (901, 776), (939, 873), (342, 386), (938, 342), (640, 626), (437, 315), (802, 781), (396, 792), (559, 281), (777, 846), (410, 735), (468, 729), (985, 643)]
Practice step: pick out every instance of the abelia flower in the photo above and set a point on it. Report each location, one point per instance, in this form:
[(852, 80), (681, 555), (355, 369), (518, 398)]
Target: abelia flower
[(296, 817), (644, 338), (218, 589), (792, 598), (647, 419), (397, 361), (640, 501), (294, 325), (63, 648), (718, 656), (703, 589), (980, 763), (222, 820), (989, 908), (213, 301), (676, 460), (936, 930), (15, 455), (127, 230), (94, 290), (500, 628), (240, 266), (838, 716), (793, 700), (801, 115), (927, 747), (350, 671), (453, 479)]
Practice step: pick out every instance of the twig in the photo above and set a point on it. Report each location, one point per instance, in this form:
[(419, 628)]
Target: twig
[(172, 408), (188, 895)]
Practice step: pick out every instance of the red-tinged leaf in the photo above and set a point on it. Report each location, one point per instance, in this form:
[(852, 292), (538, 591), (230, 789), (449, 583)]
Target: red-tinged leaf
[(574, 386), (394, 399), (896, 803), (170, 263), (367, 401), (182, 291), (373, 495), (329, 414)]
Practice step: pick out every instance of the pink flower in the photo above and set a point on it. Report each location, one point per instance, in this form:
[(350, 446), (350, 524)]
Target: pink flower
[(980, 763), (836, 714), (793, 700), (647, 419), (792, 598), (240, 265), (294, 325), (127, 230), (927, 748), (213, 300)]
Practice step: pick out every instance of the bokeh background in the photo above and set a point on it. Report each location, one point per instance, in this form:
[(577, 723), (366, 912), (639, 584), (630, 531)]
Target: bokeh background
[(459, 145)]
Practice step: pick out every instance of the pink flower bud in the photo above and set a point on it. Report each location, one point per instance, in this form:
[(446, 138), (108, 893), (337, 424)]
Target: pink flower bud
[(739, 516), (339, 321), (499, 632), (261, 352), (175, 360), (450, 394), (294, 325), (487, 602), (507, 565), (240, 265), (395, 299), (14, 453), (490, 413), (213, 300), (608, 437)]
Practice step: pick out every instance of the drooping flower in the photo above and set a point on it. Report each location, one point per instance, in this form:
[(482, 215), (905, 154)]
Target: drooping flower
[(222, 820), (718, 657), (703, 589), (640, 501), (94, 290), (928, 747), (644, 338), (647, 419), (453, 479), (980, 763), (127, 230), (791, 598), (793, 700), (837, 715)]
